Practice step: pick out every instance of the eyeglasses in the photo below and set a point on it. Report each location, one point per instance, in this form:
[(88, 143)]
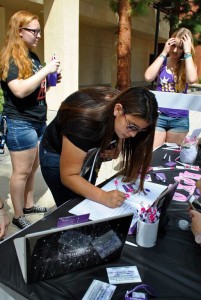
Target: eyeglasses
[(133, 127), (35, 32)]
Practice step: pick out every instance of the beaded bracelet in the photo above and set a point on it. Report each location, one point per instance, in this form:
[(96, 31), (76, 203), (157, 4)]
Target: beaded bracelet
[(187, 55), (2, 206)]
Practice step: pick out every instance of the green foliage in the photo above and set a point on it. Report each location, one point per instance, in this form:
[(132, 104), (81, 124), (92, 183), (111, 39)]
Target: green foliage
[(188, 18), (138, 7), (179, 7), (114, 4), (199, 80), (1, 100)]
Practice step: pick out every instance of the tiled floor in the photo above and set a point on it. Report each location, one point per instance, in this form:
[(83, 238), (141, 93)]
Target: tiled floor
[(42, 195)]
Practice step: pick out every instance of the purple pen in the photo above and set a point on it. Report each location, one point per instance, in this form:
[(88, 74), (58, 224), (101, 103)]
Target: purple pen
[(130, 187), (125, 188)]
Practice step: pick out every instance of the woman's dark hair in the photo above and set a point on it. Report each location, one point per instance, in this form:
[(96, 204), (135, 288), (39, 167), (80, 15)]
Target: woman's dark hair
[(89, 113), (137, 151)]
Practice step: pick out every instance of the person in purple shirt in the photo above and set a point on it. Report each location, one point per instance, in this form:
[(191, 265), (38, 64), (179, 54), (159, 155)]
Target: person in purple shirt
[(174, 68)]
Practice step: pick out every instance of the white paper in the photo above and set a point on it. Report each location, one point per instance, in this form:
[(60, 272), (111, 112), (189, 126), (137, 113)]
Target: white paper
[(135, 202), (172, 145), (118, 275), (99, 290), (178, 100)]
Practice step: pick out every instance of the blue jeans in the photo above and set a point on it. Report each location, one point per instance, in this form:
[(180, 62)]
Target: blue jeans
[(50, 168)]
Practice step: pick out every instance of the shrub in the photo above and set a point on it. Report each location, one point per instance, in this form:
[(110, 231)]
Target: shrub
[(1, 100)]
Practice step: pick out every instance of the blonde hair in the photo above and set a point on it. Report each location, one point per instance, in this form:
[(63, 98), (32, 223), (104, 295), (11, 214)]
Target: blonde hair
[(180, 69), (14, 47)]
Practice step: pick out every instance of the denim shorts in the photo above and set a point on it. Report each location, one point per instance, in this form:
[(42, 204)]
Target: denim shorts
[(174, 124), (23, 135)]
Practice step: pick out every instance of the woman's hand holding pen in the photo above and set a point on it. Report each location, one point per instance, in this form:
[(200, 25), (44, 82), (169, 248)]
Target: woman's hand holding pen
[(113, 199)]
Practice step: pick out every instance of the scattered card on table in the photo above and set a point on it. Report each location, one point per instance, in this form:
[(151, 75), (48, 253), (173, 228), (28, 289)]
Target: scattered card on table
[(99, 290), (148, 177), (71, 220), (118, 275)]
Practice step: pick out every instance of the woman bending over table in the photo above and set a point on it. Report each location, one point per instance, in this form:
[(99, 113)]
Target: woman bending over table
[(92, 118)]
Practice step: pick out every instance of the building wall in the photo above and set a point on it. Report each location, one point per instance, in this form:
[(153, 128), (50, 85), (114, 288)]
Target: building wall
[(98, 40), (95, 53), (98, 27)]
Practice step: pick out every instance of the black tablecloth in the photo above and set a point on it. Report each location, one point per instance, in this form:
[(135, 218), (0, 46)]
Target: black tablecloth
[(172, 267)]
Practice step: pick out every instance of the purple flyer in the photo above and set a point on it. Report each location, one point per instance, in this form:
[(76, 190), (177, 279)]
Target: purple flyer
[(71, 220)]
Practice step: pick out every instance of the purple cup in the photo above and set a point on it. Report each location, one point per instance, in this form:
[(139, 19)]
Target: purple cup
[(52, 79)]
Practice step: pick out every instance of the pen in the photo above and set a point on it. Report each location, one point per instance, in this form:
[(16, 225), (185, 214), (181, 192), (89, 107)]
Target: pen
[(131, 244), (162, 168), (165, 156), (174, 150), (116, 184), (195, 168)]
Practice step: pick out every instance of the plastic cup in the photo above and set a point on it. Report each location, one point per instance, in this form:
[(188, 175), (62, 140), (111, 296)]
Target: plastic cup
[(146, 235), (52, 79)]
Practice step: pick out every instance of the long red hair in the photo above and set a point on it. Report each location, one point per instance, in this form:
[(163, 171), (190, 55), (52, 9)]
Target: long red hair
[(14, 47)]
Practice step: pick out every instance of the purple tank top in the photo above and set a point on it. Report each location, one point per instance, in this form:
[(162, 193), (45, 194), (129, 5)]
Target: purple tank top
[(165, 83)]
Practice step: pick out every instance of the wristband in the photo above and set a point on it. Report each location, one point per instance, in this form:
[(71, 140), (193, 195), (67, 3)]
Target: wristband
[(2, 206), (187, 55), (163, 56), (148, 289)]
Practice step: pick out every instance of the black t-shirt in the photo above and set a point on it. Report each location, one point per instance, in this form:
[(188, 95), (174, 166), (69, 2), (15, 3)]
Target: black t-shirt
[(52, 138), (30, 108)]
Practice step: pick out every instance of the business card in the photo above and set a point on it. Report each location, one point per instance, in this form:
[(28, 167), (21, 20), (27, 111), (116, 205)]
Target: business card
[(99, 290), (127, 274), (71, 220)]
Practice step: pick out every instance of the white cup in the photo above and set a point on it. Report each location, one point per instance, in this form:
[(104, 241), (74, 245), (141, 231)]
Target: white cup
[(146, 233)]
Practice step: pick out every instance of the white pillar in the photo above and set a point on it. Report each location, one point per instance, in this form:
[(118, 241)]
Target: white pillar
[(61, 37), (2, 26)]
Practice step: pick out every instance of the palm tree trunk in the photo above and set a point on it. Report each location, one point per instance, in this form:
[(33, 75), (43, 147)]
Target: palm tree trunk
[(124, 46)]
